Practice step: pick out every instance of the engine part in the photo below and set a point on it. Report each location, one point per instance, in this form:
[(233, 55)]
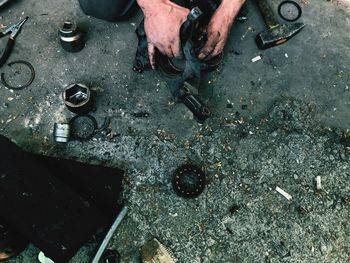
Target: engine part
[(193, 38), (29, 82), (11, 242), (109, 235), (61, 132), (77, 98), (71, 37), (193, 103), (83, 127), (189, 181), (284, 12)]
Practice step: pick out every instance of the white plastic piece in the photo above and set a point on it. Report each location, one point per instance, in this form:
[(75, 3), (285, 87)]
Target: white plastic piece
[(318, 183), (256, 59), (284, 193), (43, 259)]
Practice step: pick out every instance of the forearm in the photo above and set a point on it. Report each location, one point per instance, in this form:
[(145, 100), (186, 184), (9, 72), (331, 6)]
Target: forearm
[(231, 8), (148, 5)]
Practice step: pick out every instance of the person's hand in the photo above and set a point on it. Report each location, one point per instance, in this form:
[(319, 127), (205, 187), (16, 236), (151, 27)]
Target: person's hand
[(163, 20), (219, 28)]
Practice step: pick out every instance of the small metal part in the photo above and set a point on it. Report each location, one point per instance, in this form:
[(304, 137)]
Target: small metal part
[(287, 3), (189, 181), (83, 127), (71, 37), (61, 132), (77, 98), (193, 103), (109, 235), (29, 82)]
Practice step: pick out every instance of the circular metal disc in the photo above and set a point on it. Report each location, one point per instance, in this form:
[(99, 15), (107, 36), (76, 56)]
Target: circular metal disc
[(189, 181), (83, 127), (289, 11)]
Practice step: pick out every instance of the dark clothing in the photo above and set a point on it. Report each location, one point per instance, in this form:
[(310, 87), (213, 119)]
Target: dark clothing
[(110, 10)]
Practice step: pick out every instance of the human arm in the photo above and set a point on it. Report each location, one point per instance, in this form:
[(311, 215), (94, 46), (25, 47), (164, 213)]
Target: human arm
[(219, 28), (163, 20)]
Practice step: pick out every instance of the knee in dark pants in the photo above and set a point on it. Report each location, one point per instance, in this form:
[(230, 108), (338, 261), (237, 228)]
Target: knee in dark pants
[(110, 10)]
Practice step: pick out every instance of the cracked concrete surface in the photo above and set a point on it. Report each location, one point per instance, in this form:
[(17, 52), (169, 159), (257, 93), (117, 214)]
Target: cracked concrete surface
[(277, 122)]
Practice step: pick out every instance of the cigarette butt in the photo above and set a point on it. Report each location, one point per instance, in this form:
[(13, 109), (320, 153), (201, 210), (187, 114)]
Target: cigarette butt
[(318, 183), (284, 193), (256, 59)]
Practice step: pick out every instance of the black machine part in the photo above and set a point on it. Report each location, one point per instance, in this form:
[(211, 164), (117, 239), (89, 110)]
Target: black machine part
[(192, 40), (71, 37), (189, 181), (297, 10)]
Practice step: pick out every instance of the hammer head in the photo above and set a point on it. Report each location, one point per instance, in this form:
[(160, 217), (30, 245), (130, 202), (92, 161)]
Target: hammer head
[(278, 35)]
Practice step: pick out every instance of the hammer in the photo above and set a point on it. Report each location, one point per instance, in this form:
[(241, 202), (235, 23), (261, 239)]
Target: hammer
[(276, 34)]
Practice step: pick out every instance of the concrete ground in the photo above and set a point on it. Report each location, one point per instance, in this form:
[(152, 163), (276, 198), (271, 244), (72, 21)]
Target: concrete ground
[(276, 122)]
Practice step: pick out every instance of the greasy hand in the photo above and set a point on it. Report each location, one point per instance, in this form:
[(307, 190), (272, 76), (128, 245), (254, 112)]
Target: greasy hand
[(219, 28), (163, 20)]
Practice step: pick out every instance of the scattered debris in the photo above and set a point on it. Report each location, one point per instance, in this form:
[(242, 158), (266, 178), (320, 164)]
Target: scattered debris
[(284, 193), (153, 251)]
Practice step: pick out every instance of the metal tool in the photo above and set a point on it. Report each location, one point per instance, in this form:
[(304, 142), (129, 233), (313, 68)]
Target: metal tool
[(71, 37), (61, 132), (13, 31), (276, 34), (109, 235), (77, 98)]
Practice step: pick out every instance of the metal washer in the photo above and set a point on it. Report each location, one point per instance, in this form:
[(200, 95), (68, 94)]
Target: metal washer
[(280, 6)]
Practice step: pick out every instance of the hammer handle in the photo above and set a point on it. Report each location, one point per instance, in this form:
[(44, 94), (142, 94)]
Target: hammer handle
[(267, 13)]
